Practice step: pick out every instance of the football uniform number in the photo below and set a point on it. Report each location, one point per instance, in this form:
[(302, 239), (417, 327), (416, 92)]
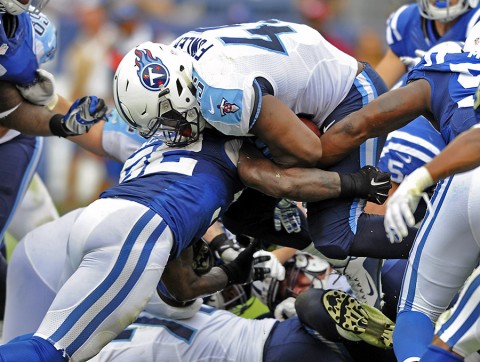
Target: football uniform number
[(40, 23), (149, 162), (176, 329), (270, 38)]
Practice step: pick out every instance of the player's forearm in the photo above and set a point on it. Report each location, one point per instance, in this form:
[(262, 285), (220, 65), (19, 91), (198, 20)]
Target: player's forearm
[(29, 119), (301, 184), (463, 154), (390, 111)]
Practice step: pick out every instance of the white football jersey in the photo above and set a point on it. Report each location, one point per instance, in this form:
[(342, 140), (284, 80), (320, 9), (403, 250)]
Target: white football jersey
[(301, 69), (211, 335)]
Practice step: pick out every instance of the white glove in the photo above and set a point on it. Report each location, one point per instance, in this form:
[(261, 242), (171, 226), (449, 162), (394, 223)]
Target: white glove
[(277, 270), (286, 214), (286, 309), (410, 62), (42, 91), (403, 203)]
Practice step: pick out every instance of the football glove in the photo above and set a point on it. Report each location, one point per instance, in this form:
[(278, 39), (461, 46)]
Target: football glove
[(42, 91), (275, 268), (286, 214), (225, 248), (243, 269), (368, 183), (403, 203), (285, 309), (81, 116)]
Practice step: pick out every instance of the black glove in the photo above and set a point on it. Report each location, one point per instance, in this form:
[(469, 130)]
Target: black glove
[(368, 183), (241, 269), (225, 248)]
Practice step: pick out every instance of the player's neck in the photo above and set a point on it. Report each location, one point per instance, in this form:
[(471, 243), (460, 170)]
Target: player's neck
[(443, 27)]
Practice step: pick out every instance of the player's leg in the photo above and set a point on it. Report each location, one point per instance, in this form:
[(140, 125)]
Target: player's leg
[(35, 269), (443, 256), (456, 332), (117, 250), (20, 157), (36, 208), (289, 341), (336, 315)]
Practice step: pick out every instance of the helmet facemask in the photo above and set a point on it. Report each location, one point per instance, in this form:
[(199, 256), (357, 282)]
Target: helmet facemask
[(441, 10), (178, 128)]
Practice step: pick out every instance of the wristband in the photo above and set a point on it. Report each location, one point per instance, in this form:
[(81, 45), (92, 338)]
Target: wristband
[(347, 185), (218, 241), (228, 272), (57, 126)]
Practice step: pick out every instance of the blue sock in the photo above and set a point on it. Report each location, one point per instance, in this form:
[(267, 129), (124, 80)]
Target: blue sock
[(412, 335), (34, 349), (437, 354)]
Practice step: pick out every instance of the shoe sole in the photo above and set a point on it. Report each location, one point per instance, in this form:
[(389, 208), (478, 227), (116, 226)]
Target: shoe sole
[(364, 321)]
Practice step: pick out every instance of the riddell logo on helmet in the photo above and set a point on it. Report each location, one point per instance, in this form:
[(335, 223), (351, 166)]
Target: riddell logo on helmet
[(152, 73)]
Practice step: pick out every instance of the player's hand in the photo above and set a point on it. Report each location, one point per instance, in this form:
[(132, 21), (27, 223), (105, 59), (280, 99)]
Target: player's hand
[(273, 267), (368, 183), (410, 62), (286, 214), (225, 248), (285, 309), (42, 91), (241, 270), (83, 114), (403, 203)]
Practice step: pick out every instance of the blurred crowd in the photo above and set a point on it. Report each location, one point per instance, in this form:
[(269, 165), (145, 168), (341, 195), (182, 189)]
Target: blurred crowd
[(107, 29)]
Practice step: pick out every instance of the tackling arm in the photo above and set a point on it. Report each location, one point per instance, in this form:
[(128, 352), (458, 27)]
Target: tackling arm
[(303, 184), (462, 154), (309, 184), (184, 284), (388, 112), (16, 113)]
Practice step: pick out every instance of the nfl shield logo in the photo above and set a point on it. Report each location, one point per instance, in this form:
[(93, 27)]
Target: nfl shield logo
[(3, 49)]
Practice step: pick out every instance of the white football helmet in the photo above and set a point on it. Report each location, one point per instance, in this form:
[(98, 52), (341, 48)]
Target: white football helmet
[(442, 10), (153, 92), (303, 271), (472, 43), (16, 7)]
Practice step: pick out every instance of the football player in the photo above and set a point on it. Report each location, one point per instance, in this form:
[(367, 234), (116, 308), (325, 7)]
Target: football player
[(441, 87), (28, 39), (415, 28)]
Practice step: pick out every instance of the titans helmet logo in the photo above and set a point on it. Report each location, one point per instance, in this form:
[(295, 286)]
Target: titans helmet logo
[(152, 73)]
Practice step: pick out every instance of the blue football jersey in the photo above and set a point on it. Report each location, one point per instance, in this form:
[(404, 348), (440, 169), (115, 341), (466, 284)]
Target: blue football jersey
[(454, 78), (408, 31), (33, 43), (409, 148), (188, 187)]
